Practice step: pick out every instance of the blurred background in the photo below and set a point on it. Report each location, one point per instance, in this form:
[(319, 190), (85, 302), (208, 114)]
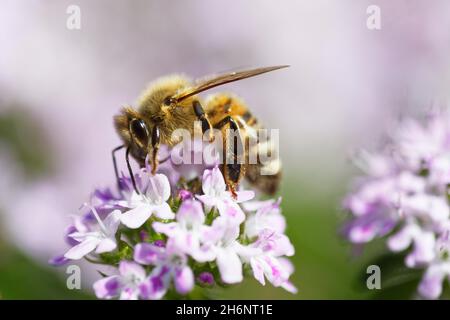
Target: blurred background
[(59, 89)]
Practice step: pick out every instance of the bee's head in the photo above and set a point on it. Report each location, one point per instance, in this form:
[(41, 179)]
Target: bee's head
[(134, 131)]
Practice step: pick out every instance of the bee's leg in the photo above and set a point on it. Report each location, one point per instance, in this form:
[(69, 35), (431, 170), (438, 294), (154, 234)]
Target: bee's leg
[(116, 171), (156, 139), (232, 171), (127, 154), (206, 125)]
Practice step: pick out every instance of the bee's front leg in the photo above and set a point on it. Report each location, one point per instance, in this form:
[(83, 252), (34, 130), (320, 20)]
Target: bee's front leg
[(130, 170), (206, 125), (116, 171), (156, 140), (234, 171)]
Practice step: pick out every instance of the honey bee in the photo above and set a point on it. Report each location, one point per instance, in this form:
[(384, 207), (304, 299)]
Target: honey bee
[(172, 103)]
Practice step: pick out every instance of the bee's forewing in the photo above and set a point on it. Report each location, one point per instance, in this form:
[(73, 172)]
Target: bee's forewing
[(211, 82)]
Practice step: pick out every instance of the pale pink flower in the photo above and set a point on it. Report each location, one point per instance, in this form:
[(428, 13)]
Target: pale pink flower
[(266, 259), (101, 240), (186, 233), (216, 195), (126, 285), (169, 263), (151, 200)]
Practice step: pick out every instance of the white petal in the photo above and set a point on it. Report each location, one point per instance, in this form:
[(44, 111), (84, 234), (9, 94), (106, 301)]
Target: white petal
[(258, 271), (207, 200), (431, 285), (131, 269), (135, 200), (283, 246), (213, 183), (289, 287), (163, 211), (204, 253), (213, 233), (228, 208), (229, 265), (274, 270), (78, 236), (82, 249), (246, 252), (256, 205), (106, 245), (112, 222), (287, 265), (136, 217), (245, 196), (423, 251), (158, 188), (217, 180), (169, 229), (191, 212)]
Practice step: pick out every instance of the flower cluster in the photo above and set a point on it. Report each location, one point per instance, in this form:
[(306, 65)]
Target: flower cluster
[(404, 196), (176, 233)]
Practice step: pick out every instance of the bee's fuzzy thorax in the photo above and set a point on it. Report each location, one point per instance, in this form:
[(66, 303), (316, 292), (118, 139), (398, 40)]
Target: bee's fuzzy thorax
[(153, 96)]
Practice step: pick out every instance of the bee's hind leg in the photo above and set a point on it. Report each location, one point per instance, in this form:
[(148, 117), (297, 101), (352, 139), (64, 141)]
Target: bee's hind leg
[(233, 167)]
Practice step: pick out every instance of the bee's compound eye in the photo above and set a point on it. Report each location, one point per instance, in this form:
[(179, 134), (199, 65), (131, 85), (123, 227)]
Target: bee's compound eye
[(139, 130), (168, 101)]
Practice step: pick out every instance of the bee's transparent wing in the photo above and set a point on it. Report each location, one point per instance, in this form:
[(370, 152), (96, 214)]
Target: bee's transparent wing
[(211, 82)]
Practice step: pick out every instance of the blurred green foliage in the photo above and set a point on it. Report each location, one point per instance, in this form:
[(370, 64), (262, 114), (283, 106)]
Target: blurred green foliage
[(25, 141), (23, 278)]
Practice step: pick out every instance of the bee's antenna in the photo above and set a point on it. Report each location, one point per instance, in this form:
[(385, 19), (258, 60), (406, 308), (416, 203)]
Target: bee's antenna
[(130, 170)]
